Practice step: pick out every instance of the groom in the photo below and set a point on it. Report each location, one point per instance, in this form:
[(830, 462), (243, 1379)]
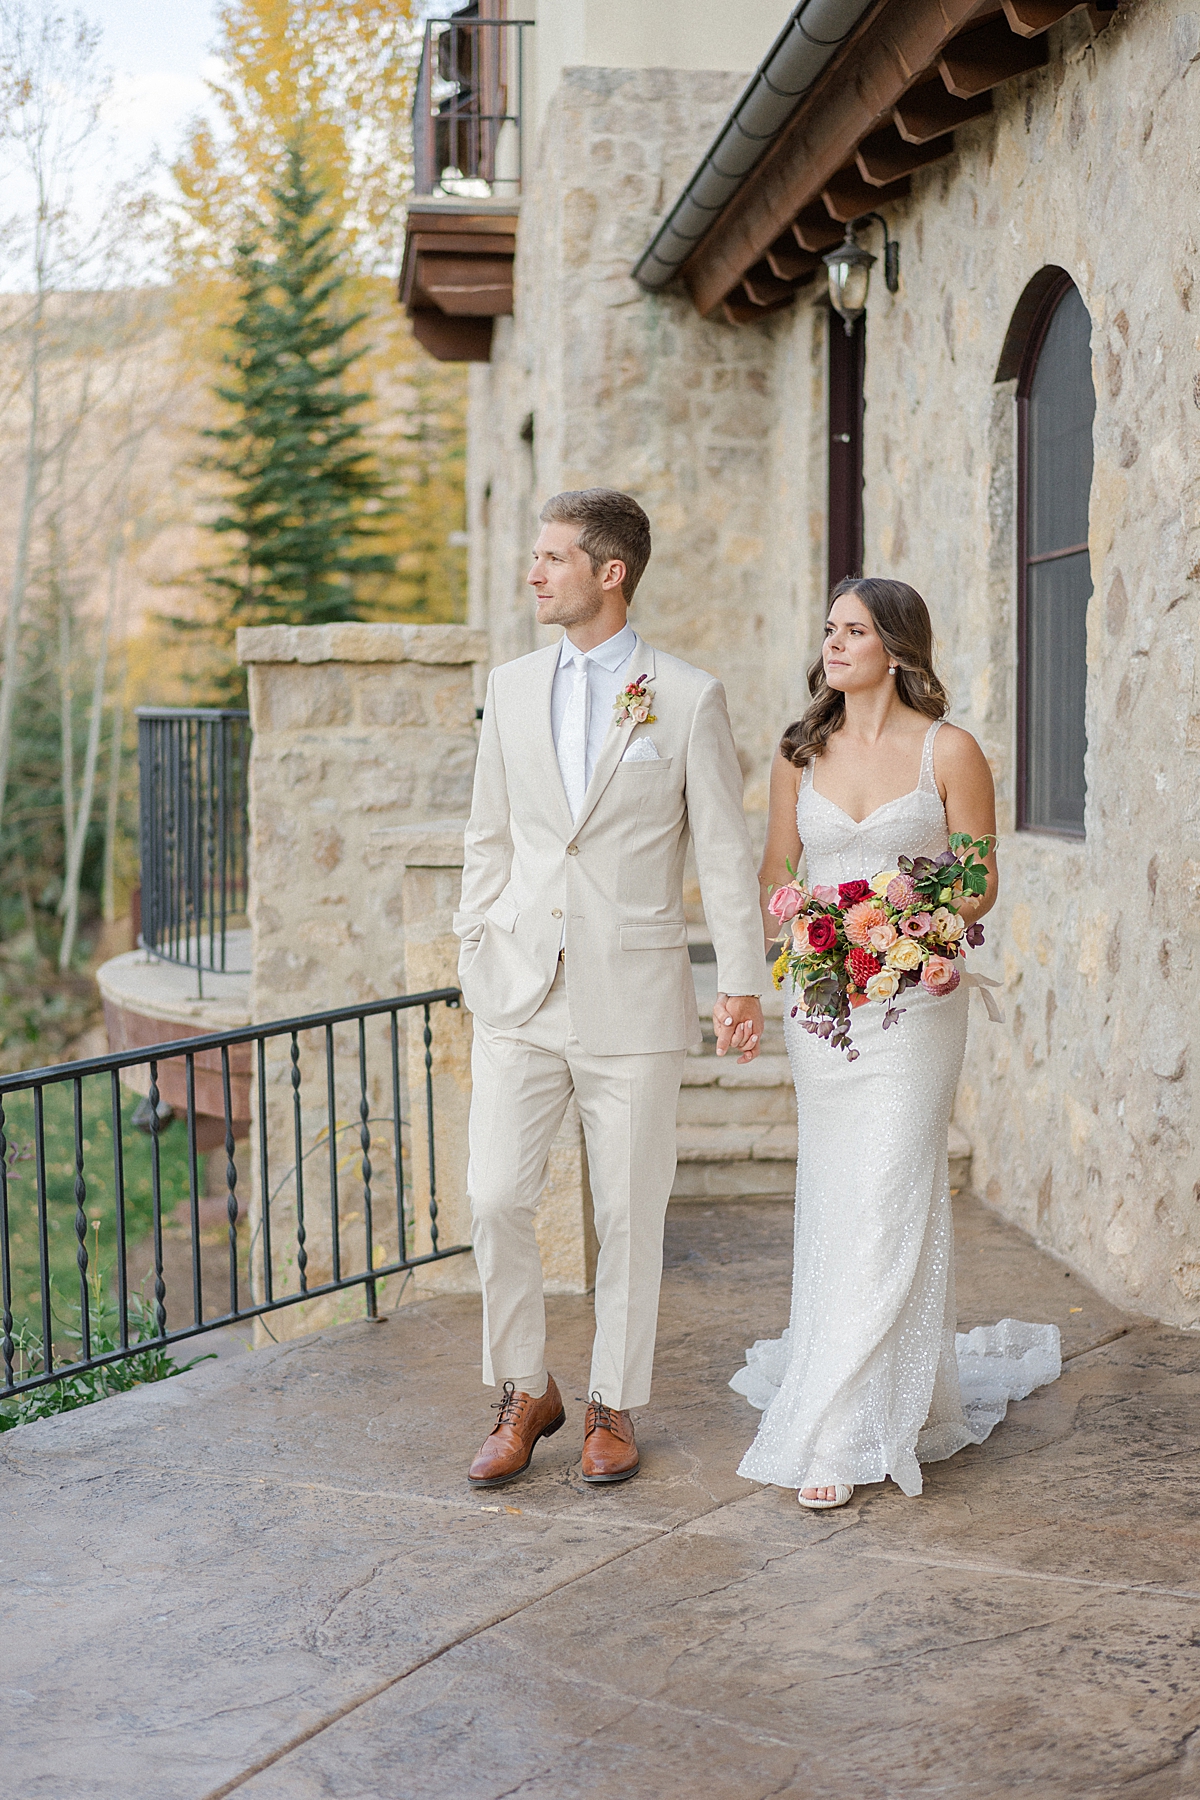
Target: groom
[(597, 757)]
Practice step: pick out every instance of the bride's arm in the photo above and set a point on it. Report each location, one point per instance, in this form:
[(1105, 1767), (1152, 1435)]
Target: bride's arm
[(783, 844), (967, 788)]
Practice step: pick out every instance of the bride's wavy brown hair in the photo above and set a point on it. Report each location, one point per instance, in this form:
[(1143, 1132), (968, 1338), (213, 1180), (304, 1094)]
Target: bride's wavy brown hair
[(901, 618)]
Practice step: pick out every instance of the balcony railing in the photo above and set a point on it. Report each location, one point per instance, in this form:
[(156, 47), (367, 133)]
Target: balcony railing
[(193, 765), (109, 1248), (468, 134)]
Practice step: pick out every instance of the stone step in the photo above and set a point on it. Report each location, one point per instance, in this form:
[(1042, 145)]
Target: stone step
[(735, 1162), (720, 1091), (741, 1161)]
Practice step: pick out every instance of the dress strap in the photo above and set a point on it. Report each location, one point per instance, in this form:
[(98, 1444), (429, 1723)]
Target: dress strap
[(927, 784), (806, 774)]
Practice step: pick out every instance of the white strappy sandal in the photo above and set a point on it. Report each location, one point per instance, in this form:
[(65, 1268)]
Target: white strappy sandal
[(842, 1491)]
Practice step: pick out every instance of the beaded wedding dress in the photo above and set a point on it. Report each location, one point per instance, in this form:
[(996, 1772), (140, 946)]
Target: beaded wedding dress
[(869, 1380)]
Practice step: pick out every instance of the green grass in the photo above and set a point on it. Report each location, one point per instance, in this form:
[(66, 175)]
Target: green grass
[(99, 1203)]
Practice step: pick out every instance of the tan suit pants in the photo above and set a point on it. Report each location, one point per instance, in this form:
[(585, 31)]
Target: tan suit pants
[(522, 1081)]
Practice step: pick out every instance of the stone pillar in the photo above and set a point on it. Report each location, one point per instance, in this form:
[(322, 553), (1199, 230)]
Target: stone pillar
[(430, 858), (356, 728)]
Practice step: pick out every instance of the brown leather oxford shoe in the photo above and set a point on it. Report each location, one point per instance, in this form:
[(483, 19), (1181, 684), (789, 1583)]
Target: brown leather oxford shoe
[(610, 1451), (520, 1422)]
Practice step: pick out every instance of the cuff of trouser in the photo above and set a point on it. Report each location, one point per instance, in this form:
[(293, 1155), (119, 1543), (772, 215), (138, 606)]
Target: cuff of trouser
[(533, 1385)]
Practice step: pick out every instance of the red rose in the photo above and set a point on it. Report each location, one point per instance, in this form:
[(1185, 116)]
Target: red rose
[(850, 892), (862, 965), (822, 933)]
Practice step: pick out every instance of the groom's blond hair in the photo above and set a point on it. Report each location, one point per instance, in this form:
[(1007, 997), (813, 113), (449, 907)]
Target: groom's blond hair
[(613, 528)]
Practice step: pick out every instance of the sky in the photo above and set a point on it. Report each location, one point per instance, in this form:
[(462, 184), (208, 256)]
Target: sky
[(159, 53)]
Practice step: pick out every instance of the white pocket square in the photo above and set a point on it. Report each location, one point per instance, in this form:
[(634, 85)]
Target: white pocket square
[(641, 750)]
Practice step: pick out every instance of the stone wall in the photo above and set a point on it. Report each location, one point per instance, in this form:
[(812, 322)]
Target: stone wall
[(1081, 1110)]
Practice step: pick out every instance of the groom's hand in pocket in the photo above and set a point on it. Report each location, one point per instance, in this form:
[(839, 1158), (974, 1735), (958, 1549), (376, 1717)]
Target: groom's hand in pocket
[(738, 1023)]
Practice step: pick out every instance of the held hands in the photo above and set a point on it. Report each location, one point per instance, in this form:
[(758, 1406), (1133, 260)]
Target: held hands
[(738, 1023)]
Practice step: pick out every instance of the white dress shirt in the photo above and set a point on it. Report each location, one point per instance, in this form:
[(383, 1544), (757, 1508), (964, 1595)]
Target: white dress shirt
[(608, 672)]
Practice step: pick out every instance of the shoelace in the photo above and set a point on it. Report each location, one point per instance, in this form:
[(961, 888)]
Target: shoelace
[(602, 1418), (509, 1410)]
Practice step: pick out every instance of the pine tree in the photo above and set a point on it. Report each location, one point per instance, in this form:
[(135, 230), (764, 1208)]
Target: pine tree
[(306, 502)]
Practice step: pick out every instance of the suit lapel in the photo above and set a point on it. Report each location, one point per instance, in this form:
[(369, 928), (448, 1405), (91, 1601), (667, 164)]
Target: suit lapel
[(615, 744), (541, 687)]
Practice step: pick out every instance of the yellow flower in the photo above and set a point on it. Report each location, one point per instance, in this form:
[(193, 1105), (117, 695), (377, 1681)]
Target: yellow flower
[(904, 955), (780, 969), (879, 884), (883, 985)]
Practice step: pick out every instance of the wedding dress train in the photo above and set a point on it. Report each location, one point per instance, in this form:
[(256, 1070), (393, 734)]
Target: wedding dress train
[(870, 1380)]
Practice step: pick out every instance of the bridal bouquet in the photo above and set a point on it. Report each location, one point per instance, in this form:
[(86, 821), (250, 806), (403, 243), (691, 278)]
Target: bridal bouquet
[(873, 940)]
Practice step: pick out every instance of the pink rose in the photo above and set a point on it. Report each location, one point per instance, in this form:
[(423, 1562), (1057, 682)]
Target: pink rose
[(881, 937), (939, 976), (785, 903), (900, 892), (824, 895), (917, 924)]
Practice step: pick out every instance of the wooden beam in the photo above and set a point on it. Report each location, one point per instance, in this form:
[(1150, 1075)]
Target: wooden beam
[(884, 156), (987, 55), (814, 230), (847, 196), (452, 340), (465, 286), (763, 288), (1029, 18), (786, 259), (927, 111), (739, 309), (854, 97)]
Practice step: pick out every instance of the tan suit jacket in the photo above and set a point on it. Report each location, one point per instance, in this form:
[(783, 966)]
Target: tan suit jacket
[(615, 877)]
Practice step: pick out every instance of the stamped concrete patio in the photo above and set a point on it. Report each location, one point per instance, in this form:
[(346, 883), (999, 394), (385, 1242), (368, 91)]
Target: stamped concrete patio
[(268, 1577)]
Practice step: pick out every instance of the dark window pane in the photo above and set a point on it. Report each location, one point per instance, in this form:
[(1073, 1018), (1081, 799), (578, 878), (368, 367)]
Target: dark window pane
[(1056, 601), (1062, 405), (846, 367), (1057, 479)]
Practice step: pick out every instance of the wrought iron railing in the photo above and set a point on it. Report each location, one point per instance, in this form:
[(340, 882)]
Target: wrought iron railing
[(343, 1194), (469, 106), (193, 766)]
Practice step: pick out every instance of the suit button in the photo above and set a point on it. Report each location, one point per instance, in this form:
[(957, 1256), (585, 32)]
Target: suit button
[(556, 912), (572, 849)]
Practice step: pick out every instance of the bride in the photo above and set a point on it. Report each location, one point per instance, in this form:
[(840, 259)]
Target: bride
[(866, 1383)]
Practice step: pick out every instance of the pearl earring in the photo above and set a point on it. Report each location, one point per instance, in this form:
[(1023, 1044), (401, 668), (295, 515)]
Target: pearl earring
[(892, 667)]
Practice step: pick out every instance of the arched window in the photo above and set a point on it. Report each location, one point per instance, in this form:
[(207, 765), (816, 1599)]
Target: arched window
[(1056, 405)]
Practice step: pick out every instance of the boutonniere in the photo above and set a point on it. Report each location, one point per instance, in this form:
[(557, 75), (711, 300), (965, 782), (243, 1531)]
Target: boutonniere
[(632, 705)]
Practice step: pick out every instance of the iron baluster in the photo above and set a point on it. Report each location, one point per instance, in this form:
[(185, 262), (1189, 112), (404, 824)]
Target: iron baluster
[(81, 1253), (335, 1225), (265, 1187), (231, 1202), (194, 1191), (5, 1258), (398, 1148), (39, 1152), (364, 1138), (160, 1286), (433, 1210), (298, 1147), (119, 1199)]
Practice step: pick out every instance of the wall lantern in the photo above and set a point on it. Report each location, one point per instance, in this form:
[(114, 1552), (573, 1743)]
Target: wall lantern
[(850, 271)]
